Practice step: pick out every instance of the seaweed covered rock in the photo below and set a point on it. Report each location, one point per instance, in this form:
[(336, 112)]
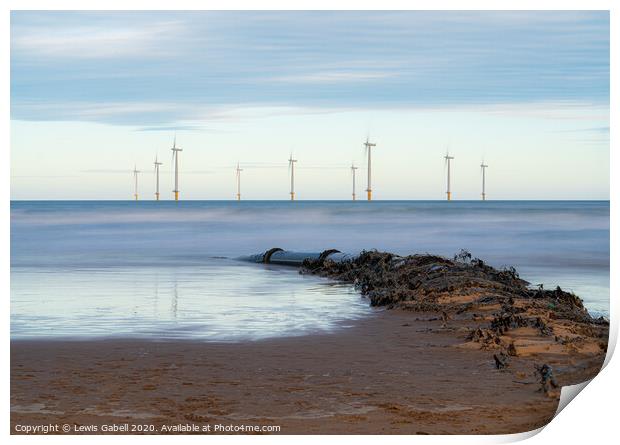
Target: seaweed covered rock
[(505, 311), (388, 279)]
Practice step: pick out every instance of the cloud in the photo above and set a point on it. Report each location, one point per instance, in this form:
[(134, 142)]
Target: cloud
[(604, 131), (226, 118), (183, 127), (557, 110), (92, 42), (156, 70), (159, 115), (335, 77)]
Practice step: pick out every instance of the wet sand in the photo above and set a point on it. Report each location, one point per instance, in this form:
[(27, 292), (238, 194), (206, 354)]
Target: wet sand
[(394, 372)]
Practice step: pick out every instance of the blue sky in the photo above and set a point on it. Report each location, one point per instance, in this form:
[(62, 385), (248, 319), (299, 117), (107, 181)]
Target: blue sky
[(92, 93)]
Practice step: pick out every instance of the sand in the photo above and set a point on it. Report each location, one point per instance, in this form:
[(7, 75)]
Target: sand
[(395, 372)]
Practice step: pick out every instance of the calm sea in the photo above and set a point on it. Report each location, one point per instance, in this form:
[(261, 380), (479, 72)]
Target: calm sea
[(168, 270)]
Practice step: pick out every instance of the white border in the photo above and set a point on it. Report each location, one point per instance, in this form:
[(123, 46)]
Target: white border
[(591, 418)]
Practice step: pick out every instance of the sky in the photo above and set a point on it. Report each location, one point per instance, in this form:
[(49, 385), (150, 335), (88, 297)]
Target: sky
[(95, 93)]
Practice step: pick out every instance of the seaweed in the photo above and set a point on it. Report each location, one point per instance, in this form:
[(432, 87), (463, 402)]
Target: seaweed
[(498, 299)]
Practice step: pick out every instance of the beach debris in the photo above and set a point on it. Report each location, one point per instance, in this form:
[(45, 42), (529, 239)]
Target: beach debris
[(486, 337), (444, 319), (193, 417), (506, 321), (547, 379), (543, 327), (501, 360), (512, 350), (463, 256)]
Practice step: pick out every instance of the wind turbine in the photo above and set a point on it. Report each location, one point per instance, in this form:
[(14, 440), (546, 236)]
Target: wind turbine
[(238, 172), (368, 148), (448, 158), (291, 167), (135, 177), (157, 164), (483, 167), (353, 168), (175, 159)]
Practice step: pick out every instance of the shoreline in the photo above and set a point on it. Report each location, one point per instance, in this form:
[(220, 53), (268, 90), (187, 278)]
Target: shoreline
[(459, 347), (395, 372)]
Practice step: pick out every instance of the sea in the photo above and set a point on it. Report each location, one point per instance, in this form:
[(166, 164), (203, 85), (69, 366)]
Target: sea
[(170, 270)]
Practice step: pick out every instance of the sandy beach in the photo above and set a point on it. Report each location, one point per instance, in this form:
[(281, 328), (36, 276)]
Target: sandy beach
[(394, 372)]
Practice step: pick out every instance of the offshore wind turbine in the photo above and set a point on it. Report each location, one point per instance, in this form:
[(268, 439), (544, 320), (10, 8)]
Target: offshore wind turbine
[(483, 167), (291, 167), (353, 168), (448, 158), (175, 159), (135, 177), (157, 164), (238, 173), (368, 147)]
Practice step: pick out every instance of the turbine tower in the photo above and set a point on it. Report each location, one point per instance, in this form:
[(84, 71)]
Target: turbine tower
[(135, 177), (157, 164), (368, 147), (448, 158), (483, 167), (291, 167), (175, 159), (238, 171), (353, 168)]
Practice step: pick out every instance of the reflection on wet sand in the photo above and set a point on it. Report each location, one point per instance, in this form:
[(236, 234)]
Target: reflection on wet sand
[(222, 301)]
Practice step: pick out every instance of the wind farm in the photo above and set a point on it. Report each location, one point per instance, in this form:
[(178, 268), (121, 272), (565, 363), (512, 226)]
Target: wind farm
[(448, 158), (175, 159), (353, 169), (157, 165), (483, 168), (292, 165), (368, 147), (135, 178), (238, 171)]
